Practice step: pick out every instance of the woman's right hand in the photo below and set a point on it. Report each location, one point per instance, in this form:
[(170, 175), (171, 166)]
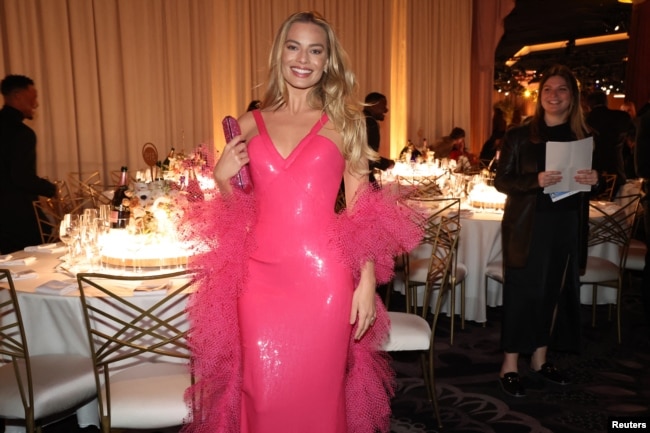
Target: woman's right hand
[(548, 178), (232, 159)]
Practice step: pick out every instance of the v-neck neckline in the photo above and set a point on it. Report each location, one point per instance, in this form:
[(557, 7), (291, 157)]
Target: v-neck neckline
[(261, 126)]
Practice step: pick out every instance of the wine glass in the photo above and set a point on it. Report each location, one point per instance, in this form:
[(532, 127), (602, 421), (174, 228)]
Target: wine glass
[(68, 231)]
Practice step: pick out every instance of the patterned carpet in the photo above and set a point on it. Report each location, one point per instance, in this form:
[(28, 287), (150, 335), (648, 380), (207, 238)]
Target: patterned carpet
[(608, 380)]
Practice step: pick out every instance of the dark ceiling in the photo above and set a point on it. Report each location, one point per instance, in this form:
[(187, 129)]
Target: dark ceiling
[(540, 21)]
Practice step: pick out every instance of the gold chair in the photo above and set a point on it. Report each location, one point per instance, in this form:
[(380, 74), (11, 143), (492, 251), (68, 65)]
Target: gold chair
[(411, 332), (615, 228), (139, 347), (418, 187), (436, 242), (87, 185), (36, 390), (48, 219), (608, 192)]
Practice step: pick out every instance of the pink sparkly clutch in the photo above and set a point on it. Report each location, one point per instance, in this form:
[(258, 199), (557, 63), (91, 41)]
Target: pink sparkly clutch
[(242, 179)]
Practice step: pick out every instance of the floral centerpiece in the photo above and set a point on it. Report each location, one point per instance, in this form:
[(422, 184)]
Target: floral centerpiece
[(158, 205), (157, 208)]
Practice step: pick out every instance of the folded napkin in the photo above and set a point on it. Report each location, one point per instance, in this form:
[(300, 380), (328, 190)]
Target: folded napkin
[(143, 288), (27, 274), (26, 261), (46, 248), (58, 287), (6, 258)]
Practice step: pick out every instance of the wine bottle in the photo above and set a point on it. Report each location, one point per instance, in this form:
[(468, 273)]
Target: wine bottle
[(167, 162), (120, 205)]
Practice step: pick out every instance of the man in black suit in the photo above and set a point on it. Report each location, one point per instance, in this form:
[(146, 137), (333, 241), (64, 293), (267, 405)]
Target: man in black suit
[(609, 129), (375, 113), (19, 184)]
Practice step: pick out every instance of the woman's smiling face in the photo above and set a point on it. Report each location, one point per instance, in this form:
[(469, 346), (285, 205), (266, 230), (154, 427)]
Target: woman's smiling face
[(556, 97), (304, 55)]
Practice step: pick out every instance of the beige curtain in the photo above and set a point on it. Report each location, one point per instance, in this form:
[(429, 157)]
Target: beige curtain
[(113, 75), (486, 33)]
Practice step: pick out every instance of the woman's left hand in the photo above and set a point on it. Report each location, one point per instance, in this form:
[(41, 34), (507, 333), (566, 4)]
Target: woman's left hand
[(363, 304), (587, 177)]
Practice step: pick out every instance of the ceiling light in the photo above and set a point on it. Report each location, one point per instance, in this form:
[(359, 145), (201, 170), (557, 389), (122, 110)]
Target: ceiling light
[(625, 1), (563, 44)]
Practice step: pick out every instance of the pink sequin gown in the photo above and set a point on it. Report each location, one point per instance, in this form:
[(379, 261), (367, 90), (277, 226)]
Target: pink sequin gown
[(273, 349), (294, 313)]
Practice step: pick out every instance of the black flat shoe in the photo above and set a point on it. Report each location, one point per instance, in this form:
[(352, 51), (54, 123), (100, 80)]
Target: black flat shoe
[(511, 385), (552, 374)]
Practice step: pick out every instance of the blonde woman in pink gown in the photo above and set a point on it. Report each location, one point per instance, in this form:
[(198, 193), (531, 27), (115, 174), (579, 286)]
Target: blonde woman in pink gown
[(286, 325)]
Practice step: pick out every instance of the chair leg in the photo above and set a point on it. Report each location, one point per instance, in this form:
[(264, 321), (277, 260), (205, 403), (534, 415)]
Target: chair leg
[(452, 311), (432, 386), (618, 308), (407, 293), (462, 305), (594, 298), (389, 289)]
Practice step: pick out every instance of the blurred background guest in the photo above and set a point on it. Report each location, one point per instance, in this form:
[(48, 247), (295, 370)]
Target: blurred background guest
[(630, 139), (19, 184), (375, 111), (445, 145), (493, 143), (609, 128)]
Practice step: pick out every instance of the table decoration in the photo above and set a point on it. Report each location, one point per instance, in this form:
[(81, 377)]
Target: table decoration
[(26, 261)]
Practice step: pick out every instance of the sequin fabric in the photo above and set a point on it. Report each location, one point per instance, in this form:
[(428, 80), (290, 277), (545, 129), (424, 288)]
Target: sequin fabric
[(272, 344)]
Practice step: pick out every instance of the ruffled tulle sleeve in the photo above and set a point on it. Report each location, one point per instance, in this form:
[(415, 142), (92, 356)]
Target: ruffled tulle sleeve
[(220, 231), (377, 228)]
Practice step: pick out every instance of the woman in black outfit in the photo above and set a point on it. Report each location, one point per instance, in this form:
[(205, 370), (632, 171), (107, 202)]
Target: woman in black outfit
[(544, 242)]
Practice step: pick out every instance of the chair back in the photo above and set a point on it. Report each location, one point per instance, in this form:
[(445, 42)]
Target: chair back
[(440, 220), (613, 226), (419, 187), (13, 344), (48, 219), (126, 330), (608, 190), (89, 186)]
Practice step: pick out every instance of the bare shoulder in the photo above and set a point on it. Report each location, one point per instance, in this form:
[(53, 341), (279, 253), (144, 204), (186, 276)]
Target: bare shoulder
[(329, 131)]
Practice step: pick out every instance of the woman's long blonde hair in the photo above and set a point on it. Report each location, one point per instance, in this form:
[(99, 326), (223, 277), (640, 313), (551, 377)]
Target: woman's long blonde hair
[(335, 94)]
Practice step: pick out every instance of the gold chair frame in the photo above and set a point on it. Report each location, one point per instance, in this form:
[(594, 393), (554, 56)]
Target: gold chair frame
[(42, 382), (414, 325), (441, 232), (87, 185), (608, 192), (615, 228), (134, 334), (418, 187), (48, 219)]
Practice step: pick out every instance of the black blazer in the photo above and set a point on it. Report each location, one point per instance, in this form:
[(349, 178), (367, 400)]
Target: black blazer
[(516, 177)]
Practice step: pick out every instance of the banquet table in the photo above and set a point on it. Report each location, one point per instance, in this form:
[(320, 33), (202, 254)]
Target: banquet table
[(54, 323), (480, 244)]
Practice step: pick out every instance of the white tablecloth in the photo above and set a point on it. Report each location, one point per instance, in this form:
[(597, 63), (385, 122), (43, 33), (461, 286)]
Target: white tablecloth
[(54, 323), (479, 245)]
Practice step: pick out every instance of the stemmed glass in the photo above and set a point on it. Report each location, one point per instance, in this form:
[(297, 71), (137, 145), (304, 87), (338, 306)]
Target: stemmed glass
[(69, 231)]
